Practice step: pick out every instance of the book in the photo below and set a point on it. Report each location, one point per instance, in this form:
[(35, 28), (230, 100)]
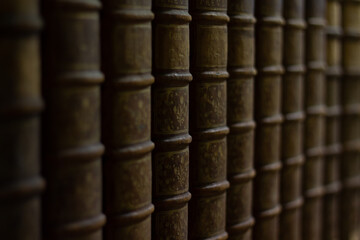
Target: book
[(240, 119), (292, 129), (208, 151), (269, 43), (126, 125), (72, 203), (314, 126), (20, 106), (350, 159), (170, 119), (333, 113)]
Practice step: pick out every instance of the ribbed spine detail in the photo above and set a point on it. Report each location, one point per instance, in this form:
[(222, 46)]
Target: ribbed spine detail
[(71, 125), (268, 116), (333, 147), (240, 117), (170, 120), (208, 95), (314, 128), (292, 131), (126, 123), (21, 104)]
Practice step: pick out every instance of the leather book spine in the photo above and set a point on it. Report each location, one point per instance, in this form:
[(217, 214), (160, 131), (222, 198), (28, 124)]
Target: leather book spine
[(269, 44), (71, 127), (350, 162), (20, 108), (170, 119), (314, 129), (292, 130), (126, 125), (240, 86), (333, 113), (208, 151)]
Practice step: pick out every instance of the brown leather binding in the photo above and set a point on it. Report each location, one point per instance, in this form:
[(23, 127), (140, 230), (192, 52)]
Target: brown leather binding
[(333, 112), (350, 162), (208, 128), (314, 130), (269, 33), (292, 131), (240, 119), (170, 119), (126, 62), (72, 149), (20, 107)]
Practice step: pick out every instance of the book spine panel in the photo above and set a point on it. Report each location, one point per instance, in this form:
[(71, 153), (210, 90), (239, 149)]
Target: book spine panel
[(170, 114), (315, 120), (72, 148), (208, 152), (350, 164), (292, 107), (20, 108), (333, 111), (269, 41), (240, 88), (126, 47)]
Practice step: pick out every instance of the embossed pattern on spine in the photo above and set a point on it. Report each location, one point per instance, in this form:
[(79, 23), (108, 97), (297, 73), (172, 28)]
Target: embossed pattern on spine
[(350, 161), (314, 129), (170, 119), (208, 151), (333, 110), (240, 89), (292, 131), (126, 46), (72, 149), (269, 41), (20, 107)]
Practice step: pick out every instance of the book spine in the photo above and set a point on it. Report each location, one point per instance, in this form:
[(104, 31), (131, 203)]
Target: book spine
[(333, 111), (314, 131), (72, 148), (208, 152), (126, 47), (269, 41), (170, 114), (350, 162), (20, 108), (240, 88), (292, 131)]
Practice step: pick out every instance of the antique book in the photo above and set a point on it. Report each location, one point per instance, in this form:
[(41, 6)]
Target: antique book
[(208, 151), (314, 129), (332, 137), (292, 130), (72, 203), (240, 89), (170, 119), (269, 43), (20, 107), (126, 122), (350, 160)]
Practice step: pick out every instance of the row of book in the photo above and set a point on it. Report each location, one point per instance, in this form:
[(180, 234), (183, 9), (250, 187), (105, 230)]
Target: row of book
[(180, 119)]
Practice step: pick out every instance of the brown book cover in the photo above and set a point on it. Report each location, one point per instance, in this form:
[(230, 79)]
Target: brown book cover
[(240, 89), (292, 130), (126, 124), (20, 106), (333, 110), (170, 119), (314, 129), (208, 151), (350, 162), (71, 143), (269, 44)]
